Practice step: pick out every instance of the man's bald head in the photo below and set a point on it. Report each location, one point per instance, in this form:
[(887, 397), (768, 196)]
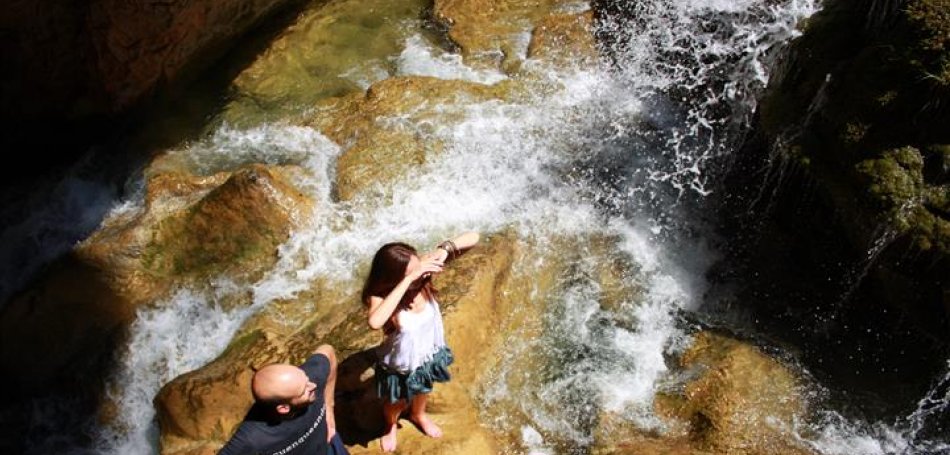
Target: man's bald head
[(284, 386)]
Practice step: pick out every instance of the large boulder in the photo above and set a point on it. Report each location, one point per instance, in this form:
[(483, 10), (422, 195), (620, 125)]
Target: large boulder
[(737, 401), (471, 302), (741, 402), (837, 207), (234, 228), (189, 228), (859, 112), (384, 132)]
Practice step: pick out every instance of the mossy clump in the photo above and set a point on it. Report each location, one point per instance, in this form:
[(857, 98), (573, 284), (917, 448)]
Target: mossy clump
[(931, 22), (894, 181), (869, 107), (898, 188)]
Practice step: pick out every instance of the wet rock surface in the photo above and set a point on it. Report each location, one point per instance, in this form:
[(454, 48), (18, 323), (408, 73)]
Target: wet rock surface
[(190, 227), (736, 400), (384, 132), (202, 408)]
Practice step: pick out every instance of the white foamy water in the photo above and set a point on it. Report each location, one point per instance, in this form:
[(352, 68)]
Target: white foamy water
[(170, 339), (713, 56), (836, 435), (420, 59)]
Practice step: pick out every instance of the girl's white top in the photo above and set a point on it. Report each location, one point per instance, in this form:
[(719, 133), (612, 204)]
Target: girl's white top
[(419, 337)]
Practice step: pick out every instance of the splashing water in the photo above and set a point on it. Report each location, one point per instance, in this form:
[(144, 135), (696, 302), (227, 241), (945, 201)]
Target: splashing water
[(713, 58), (175, 337), (418, 59)]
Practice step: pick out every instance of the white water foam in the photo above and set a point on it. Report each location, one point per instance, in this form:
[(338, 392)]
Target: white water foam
[(419, 58), (169, 339), (278, 144), (836, 435), (712, 56)]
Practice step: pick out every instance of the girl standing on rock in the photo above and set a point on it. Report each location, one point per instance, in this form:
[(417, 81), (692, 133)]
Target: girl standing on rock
[(400, 300)]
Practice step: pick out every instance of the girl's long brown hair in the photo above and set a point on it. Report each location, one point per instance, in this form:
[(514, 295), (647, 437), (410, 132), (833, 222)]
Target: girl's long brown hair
[(388, 269)]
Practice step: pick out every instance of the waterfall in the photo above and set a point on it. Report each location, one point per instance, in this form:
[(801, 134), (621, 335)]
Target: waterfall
[(625, 152)]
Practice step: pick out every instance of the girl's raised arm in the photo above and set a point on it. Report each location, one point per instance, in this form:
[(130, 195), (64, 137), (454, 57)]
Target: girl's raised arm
[(453, 248)]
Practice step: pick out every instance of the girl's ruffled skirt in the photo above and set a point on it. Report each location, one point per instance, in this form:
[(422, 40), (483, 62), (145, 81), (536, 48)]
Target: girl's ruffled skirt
[(396, 386)]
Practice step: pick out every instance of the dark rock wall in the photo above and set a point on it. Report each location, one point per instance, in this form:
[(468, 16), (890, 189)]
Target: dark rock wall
[(837, 210), (71, 67)]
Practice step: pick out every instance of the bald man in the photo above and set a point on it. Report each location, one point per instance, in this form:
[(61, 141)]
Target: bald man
[(293, 410)]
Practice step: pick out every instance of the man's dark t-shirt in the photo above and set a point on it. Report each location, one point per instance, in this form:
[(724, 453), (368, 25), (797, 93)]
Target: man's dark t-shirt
[(305, 433)]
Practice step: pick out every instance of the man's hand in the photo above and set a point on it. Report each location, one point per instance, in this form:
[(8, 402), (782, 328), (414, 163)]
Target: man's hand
[(331, 425)]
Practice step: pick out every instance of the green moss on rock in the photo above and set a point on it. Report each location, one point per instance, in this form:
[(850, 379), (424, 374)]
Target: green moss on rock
[(895, 181), (931, 22)]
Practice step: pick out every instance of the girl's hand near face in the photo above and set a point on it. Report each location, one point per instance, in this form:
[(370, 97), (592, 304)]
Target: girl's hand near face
[(438, 254), (427, 266)]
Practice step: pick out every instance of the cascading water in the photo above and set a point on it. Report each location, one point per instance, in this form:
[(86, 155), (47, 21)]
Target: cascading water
[(608, 152)]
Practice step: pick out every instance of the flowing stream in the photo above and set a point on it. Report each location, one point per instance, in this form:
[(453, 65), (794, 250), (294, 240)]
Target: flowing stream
[(626, 152)]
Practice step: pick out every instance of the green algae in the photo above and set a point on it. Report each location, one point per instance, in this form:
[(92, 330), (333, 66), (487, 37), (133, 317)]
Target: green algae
[(894, 180), (332, 50)]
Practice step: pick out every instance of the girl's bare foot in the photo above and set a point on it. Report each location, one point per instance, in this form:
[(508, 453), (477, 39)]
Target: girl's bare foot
[(427, 426), (388, 441)]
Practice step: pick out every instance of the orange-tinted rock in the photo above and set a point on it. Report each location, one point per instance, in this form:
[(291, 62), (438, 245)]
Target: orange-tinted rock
[(740, 401), (744, 402), (203, 407), (564, 40), (198, 410), (236, 226), (380, 150), (188, 228), (487, 31)]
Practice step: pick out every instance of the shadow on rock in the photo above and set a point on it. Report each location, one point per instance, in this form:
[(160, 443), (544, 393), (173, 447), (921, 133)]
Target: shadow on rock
[(359, 415)]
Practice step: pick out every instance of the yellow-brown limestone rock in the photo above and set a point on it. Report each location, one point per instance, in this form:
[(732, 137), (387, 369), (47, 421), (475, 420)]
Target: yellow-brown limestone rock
[(487, 31), (474, 308), (564, 40), (740, 402), (387, 131), (235, 227), (188, 228), (198, 410)]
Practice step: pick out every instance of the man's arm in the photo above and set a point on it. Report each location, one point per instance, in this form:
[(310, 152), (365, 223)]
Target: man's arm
[(329, 389)]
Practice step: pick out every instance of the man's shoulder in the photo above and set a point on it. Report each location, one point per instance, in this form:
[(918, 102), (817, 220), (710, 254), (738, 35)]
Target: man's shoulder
[(317, 367)]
